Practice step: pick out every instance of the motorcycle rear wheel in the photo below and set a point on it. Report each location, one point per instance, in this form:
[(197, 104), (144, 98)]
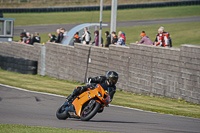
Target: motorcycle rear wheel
[(88, 113), (61, 114)]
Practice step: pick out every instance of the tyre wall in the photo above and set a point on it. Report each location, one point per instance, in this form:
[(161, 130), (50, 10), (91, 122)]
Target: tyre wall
[(19, 65), (21, 58), (97, 8), (143, 69)]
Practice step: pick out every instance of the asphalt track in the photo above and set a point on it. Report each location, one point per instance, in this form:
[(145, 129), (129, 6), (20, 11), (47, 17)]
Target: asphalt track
[(35, 109), (52, 28)]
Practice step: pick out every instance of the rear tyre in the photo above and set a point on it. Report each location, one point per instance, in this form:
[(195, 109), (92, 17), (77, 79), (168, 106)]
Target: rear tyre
[(61, 114), (90, 110)]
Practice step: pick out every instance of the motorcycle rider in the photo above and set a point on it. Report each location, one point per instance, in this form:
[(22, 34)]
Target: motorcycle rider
[(109, 80)]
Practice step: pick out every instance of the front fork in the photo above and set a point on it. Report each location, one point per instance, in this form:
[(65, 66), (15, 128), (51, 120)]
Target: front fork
[(69, 107)]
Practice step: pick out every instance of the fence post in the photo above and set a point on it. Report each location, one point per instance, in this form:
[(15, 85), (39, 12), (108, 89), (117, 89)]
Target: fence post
[(43, 53)]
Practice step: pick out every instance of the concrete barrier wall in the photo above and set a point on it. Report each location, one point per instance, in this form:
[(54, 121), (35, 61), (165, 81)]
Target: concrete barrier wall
[(189, 81), (143, 69)]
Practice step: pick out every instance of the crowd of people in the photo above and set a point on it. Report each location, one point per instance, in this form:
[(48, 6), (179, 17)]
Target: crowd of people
[(59, 37), (27, 38), (162, 38), (111, 39)]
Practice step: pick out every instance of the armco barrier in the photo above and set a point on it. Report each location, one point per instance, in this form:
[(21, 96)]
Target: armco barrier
[(143, 69), (97, 8)]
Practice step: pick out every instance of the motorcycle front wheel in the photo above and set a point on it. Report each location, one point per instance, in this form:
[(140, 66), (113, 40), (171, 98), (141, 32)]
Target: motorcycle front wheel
[(61, 114), (90, 110)]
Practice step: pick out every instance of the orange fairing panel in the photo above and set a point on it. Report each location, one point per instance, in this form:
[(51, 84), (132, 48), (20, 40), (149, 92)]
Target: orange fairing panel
[(78, 102), (85, 96)]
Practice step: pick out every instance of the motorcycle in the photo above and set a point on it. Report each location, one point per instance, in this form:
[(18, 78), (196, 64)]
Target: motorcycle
[(86, 105)]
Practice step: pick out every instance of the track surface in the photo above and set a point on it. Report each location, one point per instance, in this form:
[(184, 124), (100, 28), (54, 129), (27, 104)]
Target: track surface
[(52, 28), (20, 107)]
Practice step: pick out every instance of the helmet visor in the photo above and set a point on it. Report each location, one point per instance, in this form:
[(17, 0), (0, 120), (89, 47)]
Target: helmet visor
[(114, 79)]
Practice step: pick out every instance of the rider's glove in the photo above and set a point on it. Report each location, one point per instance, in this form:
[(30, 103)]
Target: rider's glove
[(88, 81)]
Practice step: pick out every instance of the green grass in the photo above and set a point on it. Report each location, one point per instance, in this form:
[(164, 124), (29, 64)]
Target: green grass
[(63, 87), (93, 16), (6, 128), (38, 83), (181, 33)]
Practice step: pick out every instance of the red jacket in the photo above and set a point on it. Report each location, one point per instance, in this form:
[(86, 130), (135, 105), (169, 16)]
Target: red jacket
[(163, 39)]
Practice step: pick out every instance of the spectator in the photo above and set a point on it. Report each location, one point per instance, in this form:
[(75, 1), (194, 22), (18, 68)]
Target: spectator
[(144, 39), (120, 39), (157, 37), (28, 38), (23, 37), (123, 36), (77, 38), (37, 38), (162, 38), (86, 36), (62, 32), (31, 39), (58, 36), (52, 38), (83, 38), (108, 39), (96, 39), (115, 38)]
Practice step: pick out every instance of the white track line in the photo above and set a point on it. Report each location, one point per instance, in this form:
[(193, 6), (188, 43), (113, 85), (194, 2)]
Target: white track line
[(44, 93), (32, 91)]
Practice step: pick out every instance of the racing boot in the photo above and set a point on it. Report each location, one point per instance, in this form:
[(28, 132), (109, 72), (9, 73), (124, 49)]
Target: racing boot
[(70, 97), (74, 93)]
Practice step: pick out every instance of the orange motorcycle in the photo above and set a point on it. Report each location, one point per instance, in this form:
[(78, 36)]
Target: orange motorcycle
[(86, 105)]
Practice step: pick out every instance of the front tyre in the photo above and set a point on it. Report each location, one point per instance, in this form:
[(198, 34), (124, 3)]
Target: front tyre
[(61, 114), (90, 110)]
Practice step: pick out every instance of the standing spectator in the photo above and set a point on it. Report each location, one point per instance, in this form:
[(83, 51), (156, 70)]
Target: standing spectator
[(120, 39), (157, 37), (162, 39), (86, 36), (77, 38), (23, 37), (58, 36), (115, 38), (28, 39), (124, 37), (108, 39), (83, 38), (169, 40), (52, 38), (31, 39), (62, 32), (36, 38), (144, 39), (96, 39)]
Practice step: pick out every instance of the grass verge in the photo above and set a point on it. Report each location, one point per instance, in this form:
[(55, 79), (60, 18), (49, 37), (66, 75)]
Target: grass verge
[(93, 16), (63, 87), (181, 33), (6, 128)]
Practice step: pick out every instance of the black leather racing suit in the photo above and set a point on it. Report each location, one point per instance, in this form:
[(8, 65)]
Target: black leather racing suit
[(92, 83)]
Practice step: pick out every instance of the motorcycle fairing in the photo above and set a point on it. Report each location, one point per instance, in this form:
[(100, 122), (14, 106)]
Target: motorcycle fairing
[(86, 96)]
